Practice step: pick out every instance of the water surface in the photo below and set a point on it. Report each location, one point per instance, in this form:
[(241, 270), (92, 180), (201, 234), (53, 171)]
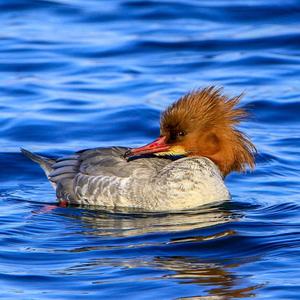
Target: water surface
[(80, 74)]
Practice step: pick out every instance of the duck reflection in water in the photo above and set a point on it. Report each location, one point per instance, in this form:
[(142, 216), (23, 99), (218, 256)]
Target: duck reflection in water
[(183, 243), (214, 279), (219, 278), (134, 223)]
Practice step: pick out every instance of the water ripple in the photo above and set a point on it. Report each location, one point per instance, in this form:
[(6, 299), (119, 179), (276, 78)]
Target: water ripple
[(79, 74)]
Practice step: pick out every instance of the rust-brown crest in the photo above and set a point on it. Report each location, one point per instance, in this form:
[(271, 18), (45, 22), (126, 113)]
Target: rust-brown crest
[(203, 122)]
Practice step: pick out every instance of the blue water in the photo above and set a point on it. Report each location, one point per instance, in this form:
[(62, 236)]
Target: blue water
[(77, 74)]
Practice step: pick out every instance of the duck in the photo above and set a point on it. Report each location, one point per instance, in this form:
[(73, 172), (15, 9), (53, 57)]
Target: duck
[(184, 168)]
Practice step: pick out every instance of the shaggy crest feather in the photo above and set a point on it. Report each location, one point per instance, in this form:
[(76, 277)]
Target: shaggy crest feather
[(210, 119)]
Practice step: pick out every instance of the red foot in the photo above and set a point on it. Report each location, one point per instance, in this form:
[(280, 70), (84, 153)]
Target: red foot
[(63, 203)]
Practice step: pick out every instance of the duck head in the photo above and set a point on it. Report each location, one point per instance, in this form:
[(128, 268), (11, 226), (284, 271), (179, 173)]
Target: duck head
[(203, 123)]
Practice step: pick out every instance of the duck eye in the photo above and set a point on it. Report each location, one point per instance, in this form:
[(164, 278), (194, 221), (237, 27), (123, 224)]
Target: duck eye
[(181, 133)]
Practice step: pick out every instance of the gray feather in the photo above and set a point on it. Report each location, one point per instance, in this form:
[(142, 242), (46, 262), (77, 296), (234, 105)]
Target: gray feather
[(102, 176), (45, 162)]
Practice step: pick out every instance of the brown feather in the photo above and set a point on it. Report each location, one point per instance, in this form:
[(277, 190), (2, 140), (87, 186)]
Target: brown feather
[(208, 119)]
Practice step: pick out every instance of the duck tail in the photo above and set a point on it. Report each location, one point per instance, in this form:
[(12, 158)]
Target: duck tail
[(44, 162)]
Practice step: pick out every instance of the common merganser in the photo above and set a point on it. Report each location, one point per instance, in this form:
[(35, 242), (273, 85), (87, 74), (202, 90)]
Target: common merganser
[(183, 168)]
